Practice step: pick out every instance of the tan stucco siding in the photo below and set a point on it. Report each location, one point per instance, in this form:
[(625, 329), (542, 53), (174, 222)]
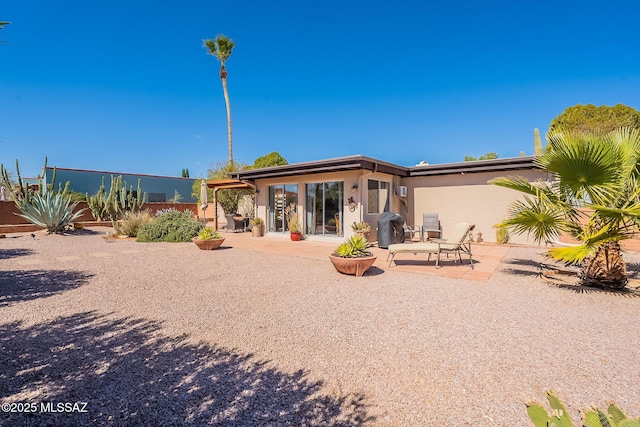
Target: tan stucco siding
[(352, 212), (465, 197)]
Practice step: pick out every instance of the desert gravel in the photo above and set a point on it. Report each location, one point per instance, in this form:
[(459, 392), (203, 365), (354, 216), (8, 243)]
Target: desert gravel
[(166, 334)]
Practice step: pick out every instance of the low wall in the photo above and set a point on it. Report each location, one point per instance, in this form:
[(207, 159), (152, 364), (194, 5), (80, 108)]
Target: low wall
[(10, 222)]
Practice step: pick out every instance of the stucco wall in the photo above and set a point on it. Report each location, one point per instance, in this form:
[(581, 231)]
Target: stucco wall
[(359, 212), (465, 197)]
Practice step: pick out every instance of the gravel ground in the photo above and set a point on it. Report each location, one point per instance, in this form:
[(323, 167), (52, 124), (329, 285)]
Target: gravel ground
[(166, 334)]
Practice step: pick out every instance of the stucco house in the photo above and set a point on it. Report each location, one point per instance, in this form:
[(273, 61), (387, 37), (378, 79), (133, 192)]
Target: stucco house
[(332, 194)]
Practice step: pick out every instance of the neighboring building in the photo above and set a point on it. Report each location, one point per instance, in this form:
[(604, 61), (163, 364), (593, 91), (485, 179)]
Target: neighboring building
[(332, 194), (158, 188)]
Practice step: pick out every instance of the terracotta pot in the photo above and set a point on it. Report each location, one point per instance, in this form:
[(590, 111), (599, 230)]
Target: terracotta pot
[(207, 245), (256, 230), (353, 266), (295, 236)]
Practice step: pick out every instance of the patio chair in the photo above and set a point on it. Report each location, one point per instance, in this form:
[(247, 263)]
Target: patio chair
[(457, 244), (430, 224), (411, 231), (234, 224)]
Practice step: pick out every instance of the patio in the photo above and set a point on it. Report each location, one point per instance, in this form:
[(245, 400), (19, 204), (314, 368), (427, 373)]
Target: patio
[(486, 256)]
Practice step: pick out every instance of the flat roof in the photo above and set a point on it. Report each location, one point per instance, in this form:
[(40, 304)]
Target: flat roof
[(356, 162), (359, 162), (51, 168)]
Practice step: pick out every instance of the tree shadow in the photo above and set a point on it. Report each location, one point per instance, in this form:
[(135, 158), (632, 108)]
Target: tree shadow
[(14, 253), (523, 267), (26, 285), (129, 373)]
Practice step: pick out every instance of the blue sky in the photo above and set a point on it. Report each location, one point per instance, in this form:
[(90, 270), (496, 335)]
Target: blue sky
[(126, 86)]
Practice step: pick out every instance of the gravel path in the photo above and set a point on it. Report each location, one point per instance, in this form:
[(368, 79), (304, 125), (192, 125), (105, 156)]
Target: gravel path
[(165, 334)]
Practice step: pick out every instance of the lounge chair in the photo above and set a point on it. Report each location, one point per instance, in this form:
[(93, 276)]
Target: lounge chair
[(430, 224), (457, 244)]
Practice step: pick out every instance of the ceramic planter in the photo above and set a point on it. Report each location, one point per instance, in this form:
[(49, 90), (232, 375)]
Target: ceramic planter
[(295, 236), (353, 266), (256, 230), (207, 245)]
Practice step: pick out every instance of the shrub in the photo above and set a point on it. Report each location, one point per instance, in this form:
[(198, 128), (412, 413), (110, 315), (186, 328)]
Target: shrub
[(131, 223), (502, 235), (171, 226)]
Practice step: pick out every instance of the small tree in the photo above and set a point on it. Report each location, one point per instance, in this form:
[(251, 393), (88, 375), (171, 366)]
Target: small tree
[(594, 171), (487, 156), (589, 119), (268, 160), (228, 199)]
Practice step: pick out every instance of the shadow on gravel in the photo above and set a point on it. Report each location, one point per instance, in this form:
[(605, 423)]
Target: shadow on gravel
[(129, 373), (14, 253), (528, 267), (26, 285)]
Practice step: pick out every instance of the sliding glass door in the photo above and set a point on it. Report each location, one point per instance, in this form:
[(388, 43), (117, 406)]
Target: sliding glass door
[(324, 208), (280, 196)]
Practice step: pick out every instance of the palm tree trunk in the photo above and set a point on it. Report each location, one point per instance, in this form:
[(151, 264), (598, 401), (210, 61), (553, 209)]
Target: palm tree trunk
[(606, 268), (225, 90)]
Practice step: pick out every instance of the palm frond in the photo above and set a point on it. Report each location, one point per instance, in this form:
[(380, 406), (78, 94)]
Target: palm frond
[(591, 240), (517, 183), (545, 222), (589, 167)]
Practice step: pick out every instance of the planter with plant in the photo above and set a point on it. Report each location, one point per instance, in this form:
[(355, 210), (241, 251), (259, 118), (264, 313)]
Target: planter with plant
[(208, 239), (361, 228), (352, 256), (293, 222), (257, 227)]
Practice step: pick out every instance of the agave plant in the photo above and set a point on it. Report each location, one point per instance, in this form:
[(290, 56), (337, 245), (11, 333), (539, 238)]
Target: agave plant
[(354, 247), (54, 211), (594, 196)]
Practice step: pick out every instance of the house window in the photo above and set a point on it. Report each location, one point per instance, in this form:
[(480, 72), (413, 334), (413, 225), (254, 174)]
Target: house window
[(324, 206), (377, 196), (280, 196)]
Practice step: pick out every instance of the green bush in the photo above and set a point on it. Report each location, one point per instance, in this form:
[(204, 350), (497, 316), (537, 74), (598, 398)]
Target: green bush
[(130, 224), (171, 226)]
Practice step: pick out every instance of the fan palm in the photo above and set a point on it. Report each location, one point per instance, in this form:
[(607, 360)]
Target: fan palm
[(594, 197), (221, 48), (2, 24)]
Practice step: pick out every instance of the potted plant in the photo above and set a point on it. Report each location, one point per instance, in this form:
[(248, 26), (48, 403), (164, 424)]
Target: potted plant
[(208, 239), (361, 228), (353, 257), (257, 229), (293, 222)]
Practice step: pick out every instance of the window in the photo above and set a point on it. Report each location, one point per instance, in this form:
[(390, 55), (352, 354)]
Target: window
[(324, 207), (377, 196)]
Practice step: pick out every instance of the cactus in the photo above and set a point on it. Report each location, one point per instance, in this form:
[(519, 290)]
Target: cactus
[(26, 194), (117, 202), (537, 143), (592, 417)]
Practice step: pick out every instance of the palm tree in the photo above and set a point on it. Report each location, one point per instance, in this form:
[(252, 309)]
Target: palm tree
[(221, 48), (594, 197), (2, 24)]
